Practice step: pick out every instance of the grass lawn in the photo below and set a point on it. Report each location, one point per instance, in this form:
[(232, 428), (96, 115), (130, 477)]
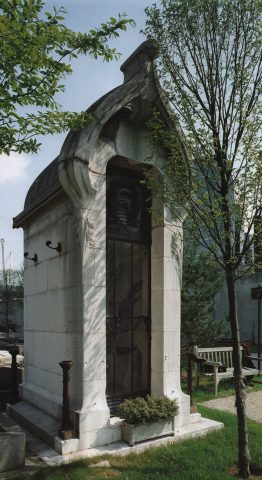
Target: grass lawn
[(225, 388), (207, 458), (213, 457)]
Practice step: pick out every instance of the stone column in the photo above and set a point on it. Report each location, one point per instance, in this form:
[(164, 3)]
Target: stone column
[(166, 258), (87, 190), (93, 416)]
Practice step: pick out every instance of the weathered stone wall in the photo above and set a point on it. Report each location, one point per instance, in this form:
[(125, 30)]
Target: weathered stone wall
[(51, 304)]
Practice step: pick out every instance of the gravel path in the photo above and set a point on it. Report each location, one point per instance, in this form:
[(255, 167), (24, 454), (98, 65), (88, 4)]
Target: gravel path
[(254, 405)]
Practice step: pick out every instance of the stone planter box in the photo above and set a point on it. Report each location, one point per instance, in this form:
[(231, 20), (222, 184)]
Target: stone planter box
[(138, 433)]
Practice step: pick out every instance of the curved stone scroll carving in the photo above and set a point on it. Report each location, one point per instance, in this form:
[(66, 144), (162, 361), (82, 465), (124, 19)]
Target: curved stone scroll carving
[(85, 153), (79, 180)]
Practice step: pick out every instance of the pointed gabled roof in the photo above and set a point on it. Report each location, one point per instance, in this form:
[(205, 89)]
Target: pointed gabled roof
[(140, 86)]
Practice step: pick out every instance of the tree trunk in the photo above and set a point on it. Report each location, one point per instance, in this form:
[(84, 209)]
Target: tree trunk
[(243, 451)]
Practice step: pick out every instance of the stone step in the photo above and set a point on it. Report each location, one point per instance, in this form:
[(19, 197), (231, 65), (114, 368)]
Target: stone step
[(41, 425), (196, 429), (195, 417), (199, 428), (36, 421)]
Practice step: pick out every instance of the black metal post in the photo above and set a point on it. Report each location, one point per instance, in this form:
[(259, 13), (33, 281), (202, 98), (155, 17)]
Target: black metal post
[(259, 332), (14, 374), (66, 431), (191, 358), (189, 377), (256, 294)]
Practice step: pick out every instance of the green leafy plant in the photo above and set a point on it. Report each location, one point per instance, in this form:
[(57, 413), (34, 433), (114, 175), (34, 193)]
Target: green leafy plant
[(149, 409), (36, 53), (202, 280)]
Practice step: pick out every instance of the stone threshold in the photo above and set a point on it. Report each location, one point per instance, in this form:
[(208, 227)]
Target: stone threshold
[(24, 414), (197, 429)]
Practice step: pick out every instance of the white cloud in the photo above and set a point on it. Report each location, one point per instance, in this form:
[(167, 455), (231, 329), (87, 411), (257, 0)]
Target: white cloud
[(13, 168)]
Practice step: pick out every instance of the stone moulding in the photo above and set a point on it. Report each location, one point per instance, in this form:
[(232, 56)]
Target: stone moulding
[(85, 153), (146, 431)]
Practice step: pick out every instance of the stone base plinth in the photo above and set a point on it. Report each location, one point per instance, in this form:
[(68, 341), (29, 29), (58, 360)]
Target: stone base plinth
[(100, 441)]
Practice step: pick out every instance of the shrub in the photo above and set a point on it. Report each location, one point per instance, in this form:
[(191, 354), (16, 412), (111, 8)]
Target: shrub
[(149, 409)]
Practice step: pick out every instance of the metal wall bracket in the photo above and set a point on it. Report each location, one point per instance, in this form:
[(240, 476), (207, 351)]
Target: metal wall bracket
[(58, 248), (34, 258)]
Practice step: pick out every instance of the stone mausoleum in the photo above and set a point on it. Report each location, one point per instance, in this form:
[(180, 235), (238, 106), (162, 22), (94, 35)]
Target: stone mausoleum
[(106, 295)]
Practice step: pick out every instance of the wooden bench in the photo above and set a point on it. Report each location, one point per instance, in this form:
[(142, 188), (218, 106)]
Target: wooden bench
[(217, 357)]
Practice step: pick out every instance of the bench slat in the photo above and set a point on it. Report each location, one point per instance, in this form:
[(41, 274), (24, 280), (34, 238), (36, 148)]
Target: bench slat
[(224, 355), (217, 349)]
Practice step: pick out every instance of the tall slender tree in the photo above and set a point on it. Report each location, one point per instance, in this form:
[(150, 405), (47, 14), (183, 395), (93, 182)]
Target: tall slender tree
[(210, 66), (35, 53)]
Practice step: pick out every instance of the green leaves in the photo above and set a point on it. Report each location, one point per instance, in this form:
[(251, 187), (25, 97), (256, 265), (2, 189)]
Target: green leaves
[(210, 67), (150, 409), (202, 280), (35, 51), (19, 131)]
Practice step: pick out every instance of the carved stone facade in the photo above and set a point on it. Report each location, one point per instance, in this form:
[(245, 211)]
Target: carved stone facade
[(66, 292)]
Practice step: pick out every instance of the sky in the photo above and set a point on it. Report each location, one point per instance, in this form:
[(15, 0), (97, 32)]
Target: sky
[(89, 81)]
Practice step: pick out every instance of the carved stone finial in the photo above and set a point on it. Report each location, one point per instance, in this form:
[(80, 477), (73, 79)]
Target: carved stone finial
[(140, 60)]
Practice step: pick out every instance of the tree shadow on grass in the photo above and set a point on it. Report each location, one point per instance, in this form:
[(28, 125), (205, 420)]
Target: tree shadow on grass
[(81, 470), (255, 472)]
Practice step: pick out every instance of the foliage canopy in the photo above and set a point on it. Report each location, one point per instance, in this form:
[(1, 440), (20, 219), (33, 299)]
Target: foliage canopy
[(35, 51), (202, 280), (210, 66)]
